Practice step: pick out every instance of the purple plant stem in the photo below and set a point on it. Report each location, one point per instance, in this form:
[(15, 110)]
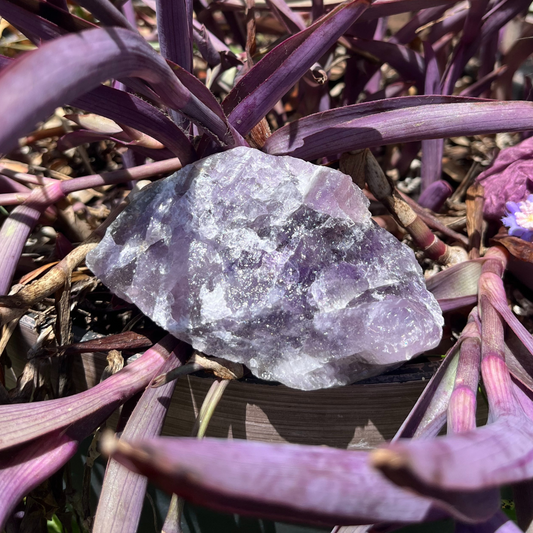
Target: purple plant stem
[(21, 423), (495, 292), (23, 218), (463, 401), (9, 185), (18, 178), (123, 491)]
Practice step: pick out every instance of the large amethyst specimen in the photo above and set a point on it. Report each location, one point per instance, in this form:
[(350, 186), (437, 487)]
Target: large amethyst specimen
[(272, 262)]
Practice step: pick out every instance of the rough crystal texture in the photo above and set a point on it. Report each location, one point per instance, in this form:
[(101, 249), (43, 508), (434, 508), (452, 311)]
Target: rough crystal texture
[(272, 262)]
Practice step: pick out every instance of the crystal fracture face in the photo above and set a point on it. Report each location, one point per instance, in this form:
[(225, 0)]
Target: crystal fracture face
[(272, 262)]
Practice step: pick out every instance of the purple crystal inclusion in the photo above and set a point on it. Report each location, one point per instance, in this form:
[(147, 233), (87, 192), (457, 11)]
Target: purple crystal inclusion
[(272, 262)]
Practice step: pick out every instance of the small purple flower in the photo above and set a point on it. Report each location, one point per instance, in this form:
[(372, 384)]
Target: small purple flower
[(519, 219)]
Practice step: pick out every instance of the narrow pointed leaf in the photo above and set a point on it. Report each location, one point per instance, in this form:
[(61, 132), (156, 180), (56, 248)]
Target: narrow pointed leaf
[(106, 13), (408, 63), (286, 482), (27, 22), (385, 8), (265, 83), (82, 61), (132, 111), (43, 20), (432, 149), (292, 20)]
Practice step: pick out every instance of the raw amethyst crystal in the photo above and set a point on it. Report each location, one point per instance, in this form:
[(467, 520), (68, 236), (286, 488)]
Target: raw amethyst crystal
[(272, 262)]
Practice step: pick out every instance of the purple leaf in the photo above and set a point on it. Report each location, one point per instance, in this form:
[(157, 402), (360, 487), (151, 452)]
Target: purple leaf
[(490, 456), (463, 402), (27, 467), (508, 179), (495, 292), (467, 45), (20, 423), (499, 523), (408, 63), (332, 132), (428, 416), (106, 13), (26, 22), (408, 32), (81, 62), (266, 82), (292, 20), (483, 84), (132, 111), (208, 44), (496, 454), (432, 149), (174, 25), (457, 281), (385, 8), (284, 482), (41, 19), (436, 194), (123, 491)]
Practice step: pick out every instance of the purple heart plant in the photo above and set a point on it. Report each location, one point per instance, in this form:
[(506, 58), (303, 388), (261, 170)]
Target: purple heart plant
[(322, 82)]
